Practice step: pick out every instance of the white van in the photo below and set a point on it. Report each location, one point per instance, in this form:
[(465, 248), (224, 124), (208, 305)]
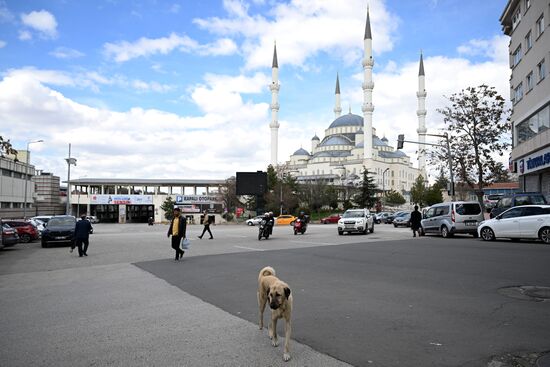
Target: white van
[(453, 217)]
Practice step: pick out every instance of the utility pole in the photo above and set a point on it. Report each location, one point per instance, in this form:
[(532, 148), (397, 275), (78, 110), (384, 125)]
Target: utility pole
[(69, 162), (27, 175)]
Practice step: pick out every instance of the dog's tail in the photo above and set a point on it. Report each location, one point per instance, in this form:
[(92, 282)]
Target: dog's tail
[(268, 270)]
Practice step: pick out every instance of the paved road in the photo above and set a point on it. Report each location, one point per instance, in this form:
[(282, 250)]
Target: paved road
[(407, 301)]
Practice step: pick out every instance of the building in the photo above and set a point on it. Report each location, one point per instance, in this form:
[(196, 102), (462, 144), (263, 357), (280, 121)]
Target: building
[(136, 200), (350, 142), (15, 176), (526, 22), (48, 197)]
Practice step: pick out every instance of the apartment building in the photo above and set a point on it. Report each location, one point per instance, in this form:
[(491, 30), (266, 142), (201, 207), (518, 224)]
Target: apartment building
[(526, 22)]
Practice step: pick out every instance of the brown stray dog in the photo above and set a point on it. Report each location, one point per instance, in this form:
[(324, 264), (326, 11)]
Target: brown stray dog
[(277, 292)]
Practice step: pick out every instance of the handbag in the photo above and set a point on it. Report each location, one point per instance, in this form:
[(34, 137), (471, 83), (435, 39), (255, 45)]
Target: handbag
[(185, 243)]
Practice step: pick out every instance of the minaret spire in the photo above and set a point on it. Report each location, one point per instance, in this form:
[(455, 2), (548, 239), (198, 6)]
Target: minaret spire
[(421, 113), (337, 106), (368, 86), (274, 125)]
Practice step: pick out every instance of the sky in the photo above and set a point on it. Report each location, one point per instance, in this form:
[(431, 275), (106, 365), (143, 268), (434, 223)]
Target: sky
[(180, 89)]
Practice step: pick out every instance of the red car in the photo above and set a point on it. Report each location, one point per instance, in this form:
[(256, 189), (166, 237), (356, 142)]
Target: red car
[(334, 218), (27, 231)]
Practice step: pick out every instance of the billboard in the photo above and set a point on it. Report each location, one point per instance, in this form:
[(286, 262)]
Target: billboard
[(122, 199), (251, 183)]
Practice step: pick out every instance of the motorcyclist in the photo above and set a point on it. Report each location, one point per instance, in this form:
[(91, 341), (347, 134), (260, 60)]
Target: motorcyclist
[(270, 222)]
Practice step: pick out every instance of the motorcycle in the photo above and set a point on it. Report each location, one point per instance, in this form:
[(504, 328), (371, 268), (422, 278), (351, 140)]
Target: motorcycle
[(300, 226), (263, 230), (150, 221)]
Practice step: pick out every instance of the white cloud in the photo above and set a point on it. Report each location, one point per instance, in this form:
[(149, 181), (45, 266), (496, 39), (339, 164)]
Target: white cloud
[(124, 50), (66, 53), (42, 21), (6, 15), (304, 28), (175, 8), (2, 44), (25, 35), (151, 86)]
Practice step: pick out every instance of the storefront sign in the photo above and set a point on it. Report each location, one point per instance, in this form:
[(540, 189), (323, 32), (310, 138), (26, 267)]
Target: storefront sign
[(122, 199), (198, 199), (534, 162), (190, 208)]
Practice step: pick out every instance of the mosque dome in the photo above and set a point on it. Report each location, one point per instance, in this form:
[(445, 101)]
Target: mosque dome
[(347, 120), (301, 151), (336, 140)]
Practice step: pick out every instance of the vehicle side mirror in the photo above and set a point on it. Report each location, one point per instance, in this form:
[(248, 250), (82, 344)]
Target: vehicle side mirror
[(498, 217)]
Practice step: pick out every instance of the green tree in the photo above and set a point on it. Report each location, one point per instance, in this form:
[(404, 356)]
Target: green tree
[(168, 207), (366, 197), (6, 148), (394, 198), (272, 178), (499, 173), (442, 181), (433, 195), (331, 197), (478, 127), (418, 191), (229, 194)]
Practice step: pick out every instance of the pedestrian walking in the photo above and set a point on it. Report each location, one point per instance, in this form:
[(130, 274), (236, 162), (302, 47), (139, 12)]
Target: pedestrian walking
[(82, 230), (206, 222), (416, 219), (177, 229)]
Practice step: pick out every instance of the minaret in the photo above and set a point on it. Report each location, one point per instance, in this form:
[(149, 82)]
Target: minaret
[(274, 125), (368, 85), (337, 107), (421, 113)]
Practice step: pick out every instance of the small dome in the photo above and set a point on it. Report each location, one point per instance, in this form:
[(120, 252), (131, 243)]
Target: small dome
[(336, 140), (315, 138), (384, 139), (378, 142), (301, 151), (347, 120), (360, 131), (395, 154)]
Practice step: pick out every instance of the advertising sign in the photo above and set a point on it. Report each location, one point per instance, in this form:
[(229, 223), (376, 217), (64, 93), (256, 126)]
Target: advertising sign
[(198, 199), (534, 162), (122, 199), (190, 208)]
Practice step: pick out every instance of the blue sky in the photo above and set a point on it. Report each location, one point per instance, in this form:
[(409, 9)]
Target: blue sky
[(131, 84)]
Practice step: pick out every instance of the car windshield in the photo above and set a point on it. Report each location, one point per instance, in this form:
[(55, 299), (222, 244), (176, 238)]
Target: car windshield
[(538, 199), (358, 214), (468, 209), (494, 197), (61, 222)]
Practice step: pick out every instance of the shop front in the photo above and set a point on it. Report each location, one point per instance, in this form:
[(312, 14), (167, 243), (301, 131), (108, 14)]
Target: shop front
[(122, 208), (534, 170), (193, 207)]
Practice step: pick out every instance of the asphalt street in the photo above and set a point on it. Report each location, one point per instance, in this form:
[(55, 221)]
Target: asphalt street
[(383, 299)]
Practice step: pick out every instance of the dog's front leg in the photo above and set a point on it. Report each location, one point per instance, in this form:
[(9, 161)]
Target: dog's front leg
[(273, 331), (288, 330), (261, 305)]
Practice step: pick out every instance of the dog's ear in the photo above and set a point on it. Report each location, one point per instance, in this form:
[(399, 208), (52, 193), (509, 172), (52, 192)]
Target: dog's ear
[(287, 292)]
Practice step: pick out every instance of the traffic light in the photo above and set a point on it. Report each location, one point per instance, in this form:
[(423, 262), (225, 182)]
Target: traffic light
[(400, 141)]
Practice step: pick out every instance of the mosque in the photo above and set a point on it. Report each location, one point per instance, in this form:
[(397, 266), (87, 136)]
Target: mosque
[(350, 142)]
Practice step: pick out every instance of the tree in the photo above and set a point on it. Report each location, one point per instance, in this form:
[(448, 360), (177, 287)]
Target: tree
[(229, 194), (418, 191), (498, 173), (6, 148), (433, 195), (272, 179), (366, 197), (477, 125), (442, 181), (168, 207), (331, 197), (394, 198)]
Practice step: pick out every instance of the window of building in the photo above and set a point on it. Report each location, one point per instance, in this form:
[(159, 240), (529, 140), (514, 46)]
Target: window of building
[(518, 93), (5, 205), (6, 173), (17, 175), (535, 124), (516, 56), (527, 4), (541, 70), (529, 81), (516, 18), (539, 25), (528, 41)]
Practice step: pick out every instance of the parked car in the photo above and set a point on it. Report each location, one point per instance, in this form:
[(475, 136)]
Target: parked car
[(517, 199), (254, 221), (391, 217), (9, 236), (26, 230), (381, 217), (491, 201), (528, 221), (334, 218), (59, 229), (402, 220), (43, 218), (38, 224), (356, 220), (92, 218), (453, 217), (285, 219)]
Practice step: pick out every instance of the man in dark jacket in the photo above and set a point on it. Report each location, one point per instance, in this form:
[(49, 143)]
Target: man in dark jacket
[(177, 229), (416, 219), (82, 231)]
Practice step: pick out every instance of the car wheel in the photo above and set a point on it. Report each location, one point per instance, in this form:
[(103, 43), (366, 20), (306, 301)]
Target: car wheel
[(421, 231), (340, 233), (395, 225), (44, 244), (250, 223), (445, 232), (487, 234), (544, 235), (372, 228), (25, 238)]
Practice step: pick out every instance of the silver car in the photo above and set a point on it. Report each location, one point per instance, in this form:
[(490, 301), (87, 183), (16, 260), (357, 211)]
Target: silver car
[(453, 217)]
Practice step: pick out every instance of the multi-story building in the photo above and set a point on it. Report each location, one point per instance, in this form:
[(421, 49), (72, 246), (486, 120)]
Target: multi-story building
[(47, 199), (15, 175), (526, 22)]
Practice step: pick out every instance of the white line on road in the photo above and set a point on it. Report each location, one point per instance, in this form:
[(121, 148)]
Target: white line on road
[(313, 243), (236, 236), (250, 248)]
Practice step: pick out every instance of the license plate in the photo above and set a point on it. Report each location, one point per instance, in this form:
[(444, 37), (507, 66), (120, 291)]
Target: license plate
[(350, 226), (471, 223), (60, 238)]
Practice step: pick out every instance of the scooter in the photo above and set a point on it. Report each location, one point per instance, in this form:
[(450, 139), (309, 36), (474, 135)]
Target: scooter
[(300, 226), (150, 221), (264, 230)]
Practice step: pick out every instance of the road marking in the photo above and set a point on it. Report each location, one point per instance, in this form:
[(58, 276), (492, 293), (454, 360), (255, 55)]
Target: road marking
[(250, 248), (236, 236), (313, 243)]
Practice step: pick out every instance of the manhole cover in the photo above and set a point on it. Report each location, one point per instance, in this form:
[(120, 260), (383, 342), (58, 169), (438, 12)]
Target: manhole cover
[(527, 293)]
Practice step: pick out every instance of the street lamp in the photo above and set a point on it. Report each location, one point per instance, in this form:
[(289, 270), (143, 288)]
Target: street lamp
[(27, 175), (70, 161), (78, 203), (384, 181)]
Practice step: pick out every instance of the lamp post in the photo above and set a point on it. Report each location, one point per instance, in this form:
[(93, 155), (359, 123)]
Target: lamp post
[(27, 175), (70, 161), (384, 181)]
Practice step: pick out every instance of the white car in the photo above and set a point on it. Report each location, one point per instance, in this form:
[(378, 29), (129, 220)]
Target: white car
[(254, 221), (527, 221), (356, 220)]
